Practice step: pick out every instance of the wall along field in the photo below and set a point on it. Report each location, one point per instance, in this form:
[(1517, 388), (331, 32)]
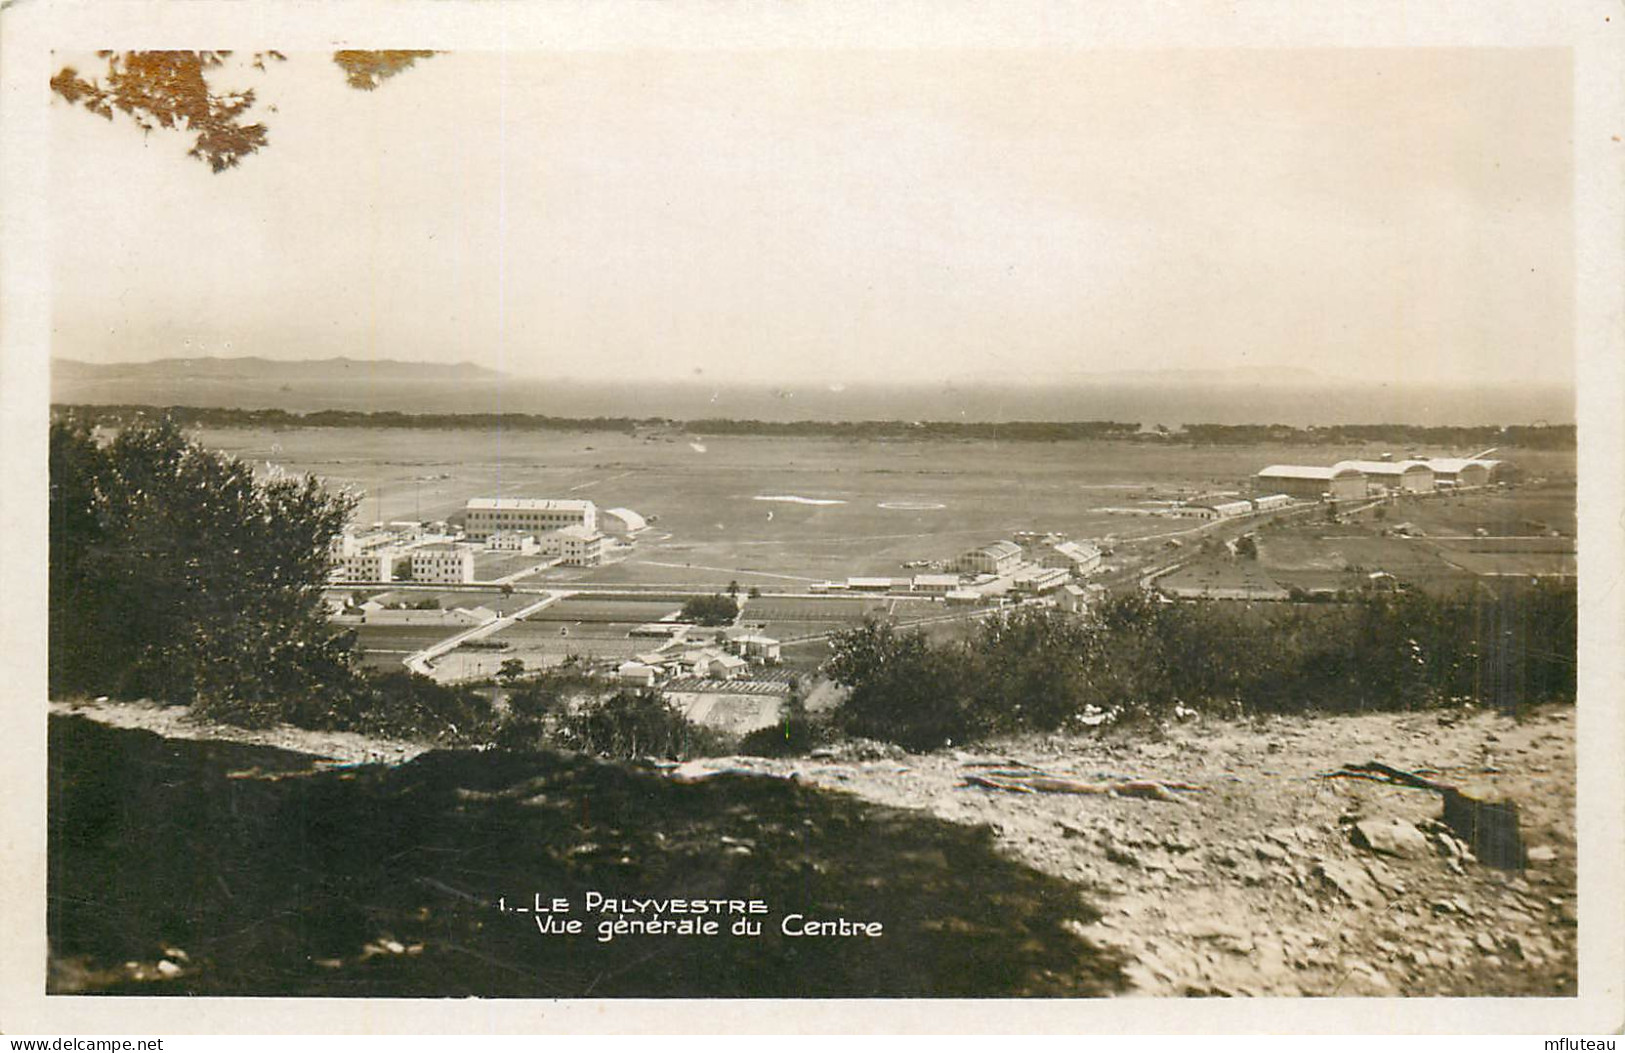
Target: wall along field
[(897, 500)]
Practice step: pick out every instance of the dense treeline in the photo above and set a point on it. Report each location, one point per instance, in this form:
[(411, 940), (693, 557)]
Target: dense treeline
[(1541, 437), (1525, 436), (1137, 660)]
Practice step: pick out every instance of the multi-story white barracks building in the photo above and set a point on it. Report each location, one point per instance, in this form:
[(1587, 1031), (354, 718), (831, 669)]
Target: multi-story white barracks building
[(526, 515)]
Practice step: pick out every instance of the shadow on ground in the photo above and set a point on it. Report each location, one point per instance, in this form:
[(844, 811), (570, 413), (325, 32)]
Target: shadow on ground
[(173, 873)]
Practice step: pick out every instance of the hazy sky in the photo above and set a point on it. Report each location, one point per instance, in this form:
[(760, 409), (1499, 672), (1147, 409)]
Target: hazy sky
[(848, 216)]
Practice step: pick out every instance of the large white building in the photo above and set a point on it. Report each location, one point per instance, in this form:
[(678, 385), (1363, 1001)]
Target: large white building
[(443, 564), (1459, 471), (576, 546), (1001, 557), (1079, 557), (1340, 482), (528, 515), (1408, 476)]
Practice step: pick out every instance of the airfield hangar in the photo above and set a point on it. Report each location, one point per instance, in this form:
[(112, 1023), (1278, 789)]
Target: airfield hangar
[(1311, 482), (622, 522), (1460, 471), (529, 515), (1407, 476), (1001, 557)]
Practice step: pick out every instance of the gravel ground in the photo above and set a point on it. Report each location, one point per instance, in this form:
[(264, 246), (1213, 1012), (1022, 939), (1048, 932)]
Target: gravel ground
[(1266, 880)]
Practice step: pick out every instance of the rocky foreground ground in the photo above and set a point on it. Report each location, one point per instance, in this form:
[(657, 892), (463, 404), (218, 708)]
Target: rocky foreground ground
[(1272, 879), (1264, 878)]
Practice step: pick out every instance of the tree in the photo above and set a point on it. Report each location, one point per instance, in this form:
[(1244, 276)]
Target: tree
[(710, 610), (733, 589), (178, 575), (1246, 547), (511, 669)]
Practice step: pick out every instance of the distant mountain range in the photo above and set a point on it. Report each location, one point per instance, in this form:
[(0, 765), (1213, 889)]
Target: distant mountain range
[(262, 370)]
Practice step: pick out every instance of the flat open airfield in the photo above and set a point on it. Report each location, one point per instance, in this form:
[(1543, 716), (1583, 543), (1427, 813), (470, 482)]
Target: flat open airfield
[(712, 526)]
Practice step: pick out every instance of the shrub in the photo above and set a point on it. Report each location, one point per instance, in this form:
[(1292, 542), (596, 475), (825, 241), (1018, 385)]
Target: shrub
[(633, 724), (904, 689), (1138, 660), (791, 737)]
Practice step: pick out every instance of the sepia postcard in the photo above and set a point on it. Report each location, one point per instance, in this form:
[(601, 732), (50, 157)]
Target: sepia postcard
[(828, 517)]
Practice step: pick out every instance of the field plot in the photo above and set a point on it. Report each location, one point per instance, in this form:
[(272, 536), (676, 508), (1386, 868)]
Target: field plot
[(1227, 578), (631, 612), (403, 639), (792, 618), (542, 642), (450, 598), (1521, 511), (1490, 562), (492, 566)]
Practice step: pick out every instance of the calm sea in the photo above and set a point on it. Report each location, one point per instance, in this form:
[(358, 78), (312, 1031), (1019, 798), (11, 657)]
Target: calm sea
[(1168, 404)]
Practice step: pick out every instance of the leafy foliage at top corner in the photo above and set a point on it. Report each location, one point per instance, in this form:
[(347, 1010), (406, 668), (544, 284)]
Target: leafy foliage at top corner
[(168, 89), (177, 575)]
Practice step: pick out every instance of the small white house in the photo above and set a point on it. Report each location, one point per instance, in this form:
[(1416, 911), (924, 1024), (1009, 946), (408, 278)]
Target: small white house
[(757, 646), (512, 541), (637, 674)]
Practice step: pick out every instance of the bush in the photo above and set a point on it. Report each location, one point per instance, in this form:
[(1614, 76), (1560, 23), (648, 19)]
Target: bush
[(904, 689), (791, 737), (1137, 660), (405, 705), (633, 724)]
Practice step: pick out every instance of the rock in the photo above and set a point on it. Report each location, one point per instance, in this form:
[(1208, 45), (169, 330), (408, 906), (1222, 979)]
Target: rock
[(1391, 837), (1122, 857), (1486, 943), (1354, 884), (1265, 850), (1385, 878), (168, 969), (1542, 854)]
